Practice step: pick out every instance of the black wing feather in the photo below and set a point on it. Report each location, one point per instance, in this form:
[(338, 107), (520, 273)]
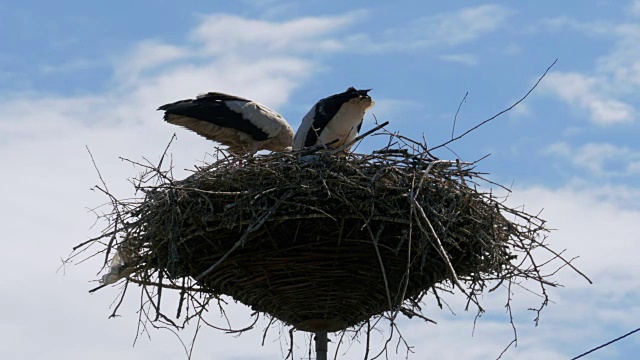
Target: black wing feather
[(212, 108)]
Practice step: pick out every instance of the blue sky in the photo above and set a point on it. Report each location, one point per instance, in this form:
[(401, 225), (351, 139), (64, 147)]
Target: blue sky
[(78, 73)]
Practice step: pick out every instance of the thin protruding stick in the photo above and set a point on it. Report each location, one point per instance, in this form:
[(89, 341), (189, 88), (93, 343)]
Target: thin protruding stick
[(455, 117), (500, 113), (341, 148)]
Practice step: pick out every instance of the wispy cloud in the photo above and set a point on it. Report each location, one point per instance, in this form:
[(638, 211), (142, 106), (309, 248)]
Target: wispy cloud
[(452, 28), (220, 34), (622, 64), (588, 93), (147, 55), (607, 92), (522, 110), (272, 8), (512, 49), (261, 59), (464, 59), (600, 159), (395, 110), (634, 8), (441, 31), (564, 23), (71, 66), (265, 61)]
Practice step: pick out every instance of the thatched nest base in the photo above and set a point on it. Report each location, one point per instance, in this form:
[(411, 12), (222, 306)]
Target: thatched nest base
[(322, 242), (318, 241)]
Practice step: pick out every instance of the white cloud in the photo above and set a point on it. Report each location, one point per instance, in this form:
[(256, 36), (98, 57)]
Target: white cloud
[(608, 92), (586, 92), (269, 80), (259, 59), (147, 55), (224, 34), (154, 73), (601, 159), (564, 23), (386, 107), (52, 116), (444, 30), (594, 223), (634, 8), (634, 167), (522, 110), (463, 59), (271, 9), (623, 63), (513, 49), (560, 148), (75, 65), (456, 27)]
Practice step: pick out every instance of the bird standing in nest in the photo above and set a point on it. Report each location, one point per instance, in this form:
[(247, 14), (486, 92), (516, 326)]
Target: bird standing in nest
[(337, 117), (243, 125)]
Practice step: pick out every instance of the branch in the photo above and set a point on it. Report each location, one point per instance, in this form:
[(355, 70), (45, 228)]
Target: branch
[(500, 113)]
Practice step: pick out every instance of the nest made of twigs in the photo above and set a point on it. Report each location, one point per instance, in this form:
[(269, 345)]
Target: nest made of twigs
[(319, 241)]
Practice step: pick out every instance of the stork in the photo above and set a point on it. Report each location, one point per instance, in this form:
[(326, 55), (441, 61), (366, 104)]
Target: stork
[(337, 117), (243, 125)]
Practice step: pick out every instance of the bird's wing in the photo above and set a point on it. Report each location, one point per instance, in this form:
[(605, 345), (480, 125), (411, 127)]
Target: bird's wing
[(303, 138), (267, 120), (325, 110), (214, 108)]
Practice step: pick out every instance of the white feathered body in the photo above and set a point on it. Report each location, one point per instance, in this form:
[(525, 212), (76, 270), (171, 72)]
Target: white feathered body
[(342, 125)]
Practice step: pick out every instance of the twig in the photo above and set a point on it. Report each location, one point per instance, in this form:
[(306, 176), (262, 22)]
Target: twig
[(455, 117), (500, 113), (358, 138), (444, 255)]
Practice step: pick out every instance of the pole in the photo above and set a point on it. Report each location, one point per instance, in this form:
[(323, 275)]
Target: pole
[(321, 345)]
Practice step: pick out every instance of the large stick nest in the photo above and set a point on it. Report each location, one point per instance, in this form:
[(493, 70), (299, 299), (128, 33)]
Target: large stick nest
[(319, 241)]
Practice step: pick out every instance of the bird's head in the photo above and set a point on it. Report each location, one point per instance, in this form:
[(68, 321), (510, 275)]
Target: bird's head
[(355, 92), (360, 97)]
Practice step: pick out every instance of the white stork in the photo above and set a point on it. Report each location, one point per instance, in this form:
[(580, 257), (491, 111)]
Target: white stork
[(337, 117), (243, 125)]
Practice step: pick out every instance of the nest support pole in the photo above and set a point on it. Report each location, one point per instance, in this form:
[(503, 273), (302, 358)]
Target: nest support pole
[(321, 345)]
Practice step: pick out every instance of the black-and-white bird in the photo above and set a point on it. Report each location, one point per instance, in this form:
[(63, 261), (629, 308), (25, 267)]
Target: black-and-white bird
[(243, 125), (337, 117)]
